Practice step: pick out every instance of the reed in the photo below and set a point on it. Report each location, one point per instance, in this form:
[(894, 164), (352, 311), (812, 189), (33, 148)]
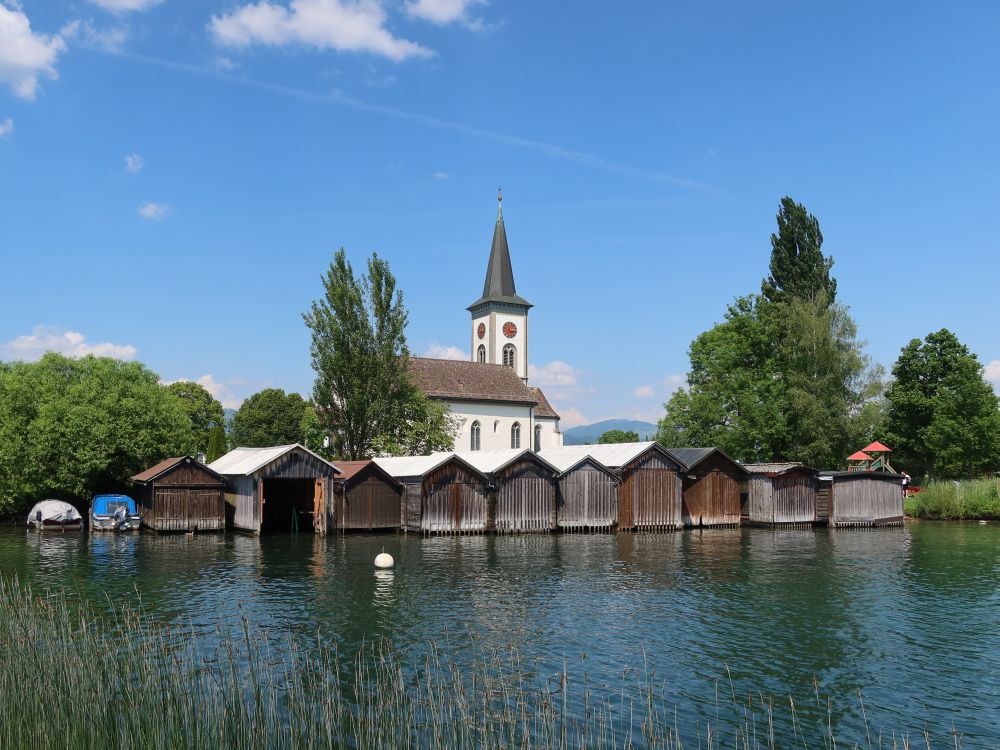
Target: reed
[(73, 677), (976, 499)]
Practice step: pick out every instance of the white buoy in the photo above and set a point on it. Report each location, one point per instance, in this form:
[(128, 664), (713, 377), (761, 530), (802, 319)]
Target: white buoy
[(384, 560)]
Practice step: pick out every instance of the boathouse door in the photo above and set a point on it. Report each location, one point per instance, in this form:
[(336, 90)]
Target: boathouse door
[(319, 506)]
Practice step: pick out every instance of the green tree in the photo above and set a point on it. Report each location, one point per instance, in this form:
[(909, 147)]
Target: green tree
[(216, 444), (942, 419), (364, 395), (798, 267), (618, 436), (425, 426), (269, 417), (314, 437), (202, 409), (72, 427)]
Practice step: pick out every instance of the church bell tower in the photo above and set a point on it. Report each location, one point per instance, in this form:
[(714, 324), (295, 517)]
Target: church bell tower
[(500, 316)]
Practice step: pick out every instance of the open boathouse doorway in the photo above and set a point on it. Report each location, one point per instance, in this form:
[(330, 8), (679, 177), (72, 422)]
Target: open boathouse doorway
[(282, 489)]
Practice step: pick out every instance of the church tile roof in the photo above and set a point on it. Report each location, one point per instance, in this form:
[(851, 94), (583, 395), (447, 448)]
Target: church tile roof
[(458, 380), (544, 408)]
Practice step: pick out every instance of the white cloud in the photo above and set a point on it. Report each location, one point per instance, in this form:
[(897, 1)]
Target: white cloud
[(445, 11), (444, 176), (70, 343), (554, 373), (222, 392), (643, 391), (675, 383), (992, 373), (440, 351), (225, 63), (342, 25), (6, 127), (125, 6), (24, 55), (571, 417), (153, 211), (134, 163)]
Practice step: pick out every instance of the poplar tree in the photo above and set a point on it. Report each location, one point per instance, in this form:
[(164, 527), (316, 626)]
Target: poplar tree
[(799, 270)]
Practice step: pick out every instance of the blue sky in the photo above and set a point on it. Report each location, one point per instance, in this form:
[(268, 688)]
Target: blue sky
[(175, 175)]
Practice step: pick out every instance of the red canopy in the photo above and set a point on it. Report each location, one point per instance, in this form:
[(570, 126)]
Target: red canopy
[(877, 447), (859, 456)]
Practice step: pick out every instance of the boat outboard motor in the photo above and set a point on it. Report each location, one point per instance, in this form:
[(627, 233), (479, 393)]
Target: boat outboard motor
[(38, 518), (121, 518)]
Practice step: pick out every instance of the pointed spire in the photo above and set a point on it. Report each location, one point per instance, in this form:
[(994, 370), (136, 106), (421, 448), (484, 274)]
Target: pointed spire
[(499, 284)]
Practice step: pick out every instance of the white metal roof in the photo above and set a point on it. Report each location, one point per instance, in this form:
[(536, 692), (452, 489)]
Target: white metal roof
[(411, 466), (612, 455), (244, 461)]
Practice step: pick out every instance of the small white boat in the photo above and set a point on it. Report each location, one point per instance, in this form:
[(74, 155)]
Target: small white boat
[(54, 515)]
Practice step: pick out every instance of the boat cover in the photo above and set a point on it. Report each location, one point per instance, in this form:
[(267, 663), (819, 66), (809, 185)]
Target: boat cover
[(54, 510)]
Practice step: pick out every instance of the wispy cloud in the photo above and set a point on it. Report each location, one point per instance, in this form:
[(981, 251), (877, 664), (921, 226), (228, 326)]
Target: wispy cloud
[(70, 343), (105, 40), (570, 416), (6, 127), (440, 351), (443, 176), (25, 55), (556, 373), (125, 6), (338, 98), (358, 26), (153, 211), (674, 383), (643, 391), (134, 163)]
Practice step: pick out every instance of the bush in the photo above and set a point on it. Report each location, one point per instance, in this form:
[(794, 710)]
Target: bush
[(977, 499)]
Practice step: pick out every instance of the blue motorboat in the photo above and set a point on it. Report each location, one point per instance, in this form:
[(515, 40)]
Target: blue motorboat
[(114, 513)]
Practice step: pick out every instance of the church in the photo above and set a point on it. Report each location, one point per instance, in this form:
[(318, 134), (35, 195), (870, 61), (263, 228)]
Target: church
[(496, 407)]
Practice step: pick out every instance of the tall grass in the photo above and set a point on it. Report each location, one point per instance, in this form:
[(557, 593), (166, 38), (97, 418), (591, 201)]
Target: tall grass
[(969, 500), (74, 678)]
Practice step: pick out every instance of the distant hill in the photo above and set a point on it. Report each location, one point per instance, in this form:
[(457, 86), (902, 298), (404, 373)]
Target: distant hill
[(589, 433)]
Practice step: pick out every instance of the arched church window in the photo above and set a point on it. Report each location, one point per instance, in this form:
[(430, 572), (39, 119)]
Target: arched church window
[(515, 435), (474, 436), (510, 356), (538, 438), (481, 353)]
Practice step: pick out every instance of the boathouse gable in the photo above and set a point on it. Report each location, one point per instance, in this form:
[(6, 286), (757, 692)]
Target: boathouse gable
[(181, 494), (780, 494), (712, 485), (587, 496), (279, 488), (366, 497), (864, 498)]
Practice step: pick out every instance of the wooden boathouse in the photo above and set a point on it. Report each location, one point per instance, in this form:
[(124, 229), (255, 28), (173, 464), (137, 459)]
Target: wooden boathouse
[(712, 486), (780, 494), (587, 496), (442, 493), (649, 493), (181, 494), (861, 498), (524, 487), (366, 497), (282, 488)]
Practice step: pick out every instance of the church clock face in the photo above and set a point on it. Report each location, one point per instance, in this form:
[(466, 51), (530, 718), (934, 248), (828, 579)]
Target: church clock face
[(481, 331), (509, 330)]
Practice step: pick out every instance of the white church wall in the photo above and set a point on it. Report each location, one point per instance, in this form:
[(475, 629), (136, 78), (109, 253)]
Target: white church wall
[(519, 340), (551, 437), (495, 422)]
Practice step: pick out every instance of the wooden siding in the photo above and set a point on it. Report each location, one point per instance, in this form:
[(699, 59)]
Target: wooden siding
[(587, 499), (185, 498), (525, 498), (246, 513), (823, 493), (862, 501), (372, 503), (454, 501), (412, 501), (712, 497), (785, 499)]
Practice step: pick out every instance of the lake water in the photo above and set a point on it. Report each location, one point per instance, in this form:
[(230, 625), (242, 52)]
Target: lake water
[(909, 615)]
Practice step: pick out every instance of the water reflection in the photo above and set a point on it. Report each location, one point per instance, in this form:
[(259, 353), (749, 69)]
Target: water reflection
[(909, 614)]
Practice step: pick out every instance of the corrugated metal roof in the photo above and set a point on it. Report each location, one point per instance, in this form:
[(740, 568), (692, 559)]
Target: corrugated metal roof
[(491, 461), (612, 455), (244, 461), (690, 456), (777, 468)]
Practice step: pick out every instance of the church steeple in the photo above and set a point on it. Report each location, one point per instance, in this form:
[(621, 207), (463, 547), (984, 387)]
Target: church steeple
[(499, 284), (500, 316)]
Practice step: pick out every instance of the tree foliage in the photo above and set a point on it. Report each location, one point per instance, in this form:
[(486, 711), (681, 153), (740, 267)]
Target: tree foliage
[(783, 377), (70, 428), (942, 418), (618, 436), (202, 409), (217, 446), (269, 417), (425, 426), (798, 267), (363, 392)]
